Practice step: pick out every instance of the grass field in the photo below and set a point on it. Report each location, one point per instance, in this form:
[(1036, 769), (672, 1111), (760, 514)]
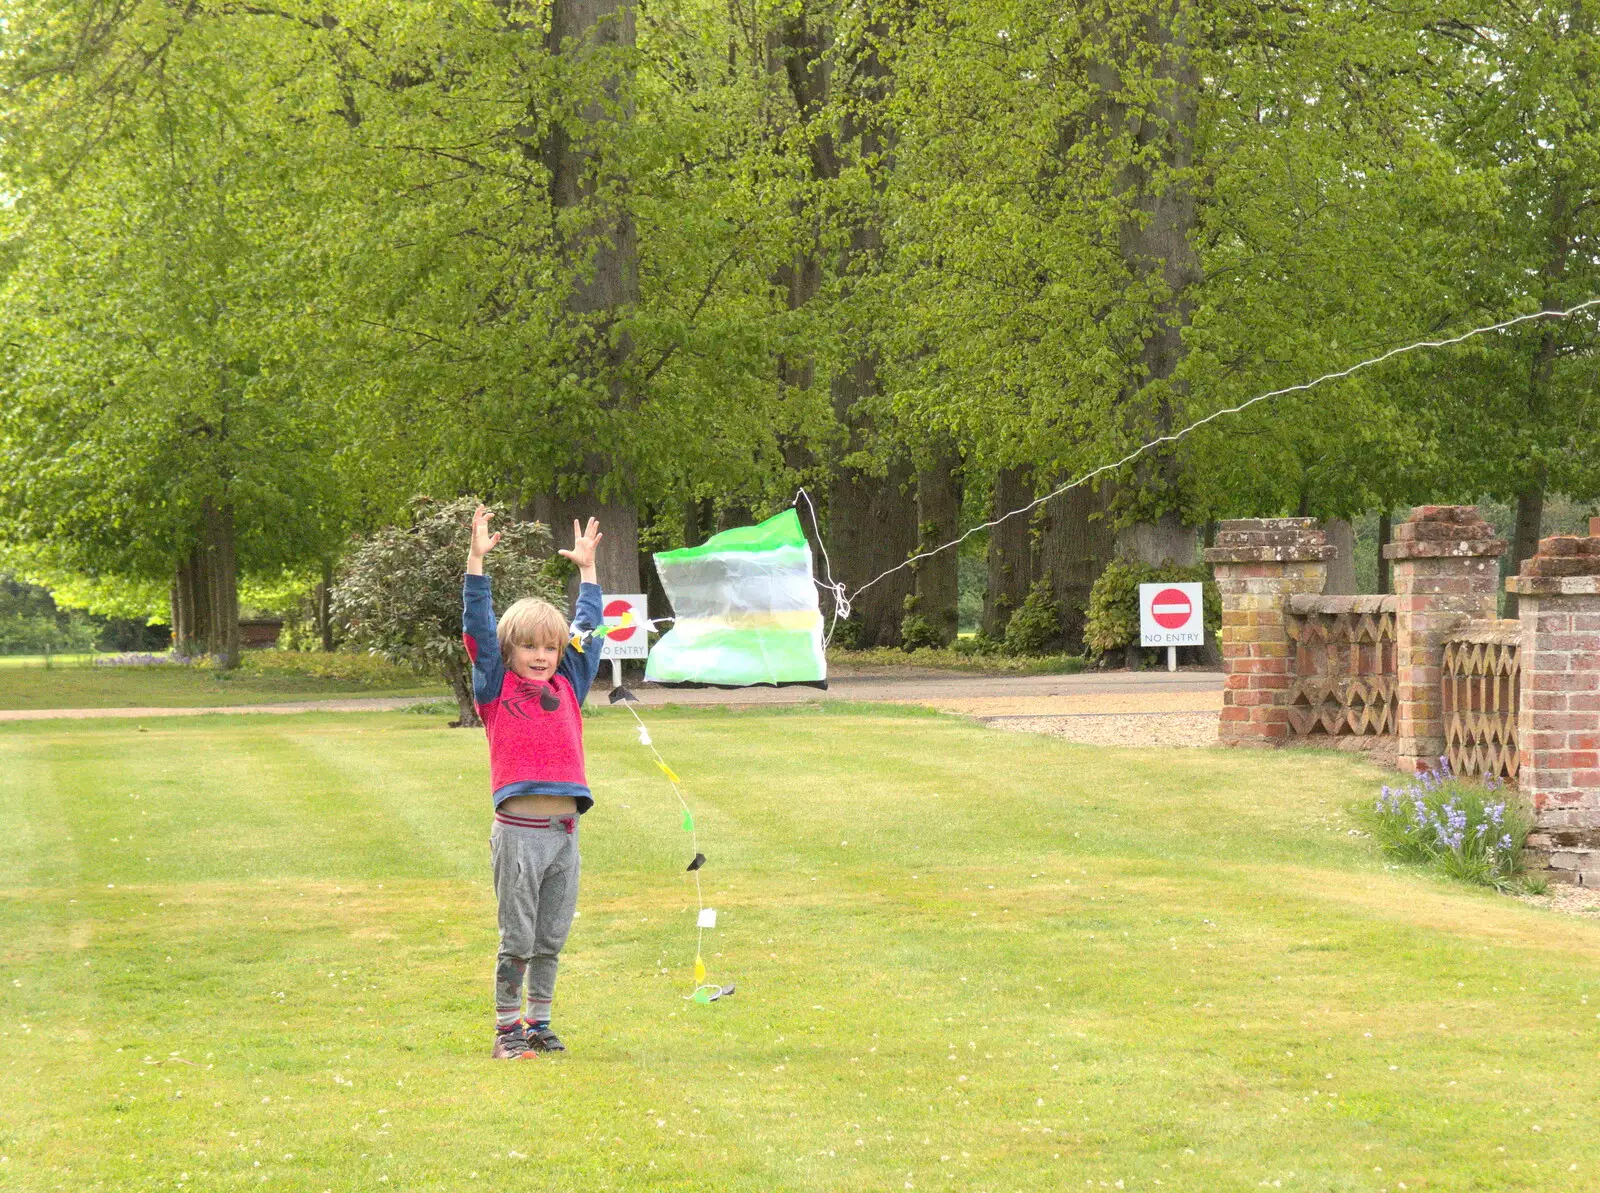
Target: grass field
[(266, 677), (253, 953)]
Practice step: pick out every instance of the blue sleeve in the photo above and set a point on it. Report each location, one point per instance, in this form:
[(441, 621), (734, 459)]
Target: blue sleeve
[(580, 667), (478, 632)]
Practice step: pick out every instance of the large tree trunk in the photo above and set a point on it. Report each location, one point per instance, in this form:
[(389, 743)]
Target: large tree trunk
[(1162, 540), (1342, 567), (1385, 533), (699, 521), (459, 677), (734, 514), (872, 518), (1075, 542), (617, 560), (597, 244), (798, 48), (222, 575), (872, 527), (324, 599), (937, 579), (1525, 538), (190, 611), (1145, 116), (1010, 551), (205, 592)]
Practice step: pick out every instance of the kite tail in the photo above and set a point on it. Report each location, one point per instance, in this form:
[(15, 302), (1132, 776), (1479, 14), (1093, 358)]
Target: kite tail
[(702, 989)]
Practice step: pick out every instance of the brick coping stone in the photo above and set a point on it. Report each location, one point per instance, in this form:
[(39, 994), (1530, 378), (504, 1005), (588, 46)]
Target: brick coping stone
[(1444, 532), (1270, 540), (1564, 565)]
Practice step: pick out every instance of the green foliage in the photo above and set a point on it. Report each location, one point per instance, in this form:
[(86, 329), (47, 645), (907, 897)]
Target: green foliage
[(398, 592), (1113, 615), (21, 633), (977, 643), (957, 658), (1035, 628), (298, 266), (349, 667), (917, 633)]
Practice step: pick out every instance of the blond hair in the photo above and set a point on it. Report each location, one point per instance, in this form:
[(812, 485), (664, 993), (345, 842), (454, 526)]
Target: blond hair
[(531, 622)]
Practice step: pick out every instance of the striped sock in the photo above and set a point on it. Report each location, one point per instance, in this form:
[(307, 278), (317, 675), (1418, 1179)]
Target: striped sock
[(537, 1024), (506, 1018)]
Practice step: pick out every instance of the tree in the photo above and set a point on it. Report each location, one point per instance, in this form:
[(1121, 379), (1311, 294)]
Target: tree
[(167, 415), (398, 591), (1516, 415)]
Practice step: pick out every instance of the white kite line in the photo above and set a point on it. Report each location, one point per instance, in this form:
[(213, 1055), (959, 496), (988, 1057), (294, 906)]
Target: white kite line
[(842, 599)]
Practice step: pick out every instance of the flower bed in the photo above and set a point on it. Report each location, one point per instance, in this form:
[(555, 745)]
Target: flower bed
[(1469, 830)]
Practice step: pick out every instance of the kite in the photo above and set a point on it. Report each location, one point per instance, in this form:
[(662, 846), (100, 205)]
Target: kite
[(746, 608)]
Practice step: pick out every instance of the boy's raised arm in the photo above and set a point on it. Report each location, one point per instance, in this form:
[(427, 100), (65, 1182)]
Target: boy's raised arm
[(482, 541), (477, 612), (588, 609)]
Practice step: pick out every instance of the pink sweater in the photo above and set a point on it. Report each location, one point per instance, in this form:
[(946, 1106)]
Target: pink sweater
[(531, 751)]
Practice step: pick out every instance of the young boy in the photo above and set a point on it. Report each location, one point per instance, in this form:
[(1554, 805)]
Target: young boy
[(529, 682)]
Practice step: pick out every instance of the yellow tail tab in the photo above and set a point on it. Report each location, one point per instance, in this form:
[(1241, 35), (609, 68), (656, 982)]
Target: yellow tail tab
[(699, 970), (672, 775)]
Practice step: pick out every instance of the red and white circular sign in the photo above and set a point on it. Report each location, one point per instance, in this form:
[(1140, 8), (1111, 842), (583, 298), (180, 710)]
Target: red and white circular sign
[(1171, 608), (615, 609)]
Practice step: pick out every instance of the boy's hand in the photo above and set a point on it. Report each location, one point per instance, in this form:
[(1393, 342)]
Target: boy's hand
[(482, 541), (583, 544)]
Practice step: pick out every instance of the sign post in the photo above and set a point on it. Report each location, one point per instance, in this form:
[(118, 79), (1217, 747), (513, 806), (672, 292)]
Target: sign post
[(1171, 615), (630, 642)]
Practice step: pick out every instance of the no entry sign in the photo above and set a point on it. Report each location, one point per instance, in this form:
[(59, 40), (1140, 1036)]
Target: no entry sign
[(1171, 615), (630, 642)]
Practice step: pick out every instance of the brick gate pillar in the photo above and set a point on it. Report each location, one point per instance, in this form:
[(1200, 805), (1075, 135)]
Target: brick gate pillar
[(1558, 718), (1259, 563), (1446, 571)]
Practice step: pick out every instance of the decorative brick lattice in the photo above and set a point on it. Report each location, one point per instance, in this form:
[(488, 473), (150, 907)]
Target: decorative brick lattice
[(1344, 665), (1481, 686)]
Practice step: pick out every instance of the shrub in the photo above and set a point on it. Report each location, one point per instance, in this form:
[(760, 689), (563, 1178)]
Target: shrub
[(345, 666), (977, 643), (23, 633), (1035, 628), (398, 593), (1471, 831), (917, 633), (1113, 616), (845, 634)]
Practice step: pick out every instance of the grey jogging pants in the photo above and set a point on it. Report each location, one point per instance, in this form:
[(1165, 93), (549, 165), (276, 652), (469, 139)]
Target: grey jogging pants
[(536, 885)]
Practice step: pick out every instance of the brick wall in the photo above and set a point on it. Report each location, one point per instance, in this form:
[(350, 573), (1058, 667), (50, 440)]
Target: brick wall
[(1558, 726), (1259, 563)]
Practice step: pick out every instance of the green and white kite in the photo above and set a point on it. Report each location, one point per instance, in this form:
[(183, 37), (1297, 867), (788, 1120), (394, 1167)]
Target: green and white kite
[(746, 610)]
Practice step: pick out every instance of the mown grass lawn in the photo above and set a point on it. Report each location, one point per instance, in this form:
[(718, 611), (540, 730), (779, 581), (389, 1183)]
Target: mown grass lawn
[(255, 953), (267, 677)]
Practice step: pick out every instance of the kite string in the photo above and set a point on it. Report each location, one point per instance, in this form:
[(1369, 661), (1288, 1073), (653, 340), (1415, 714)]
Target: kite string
[(843, 599), (694, 834)]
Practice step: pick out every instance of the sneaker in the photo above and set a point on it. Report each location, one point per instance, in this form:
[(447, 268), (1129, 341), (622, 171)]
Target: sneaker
[(510, 1045), (542, 1039)]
